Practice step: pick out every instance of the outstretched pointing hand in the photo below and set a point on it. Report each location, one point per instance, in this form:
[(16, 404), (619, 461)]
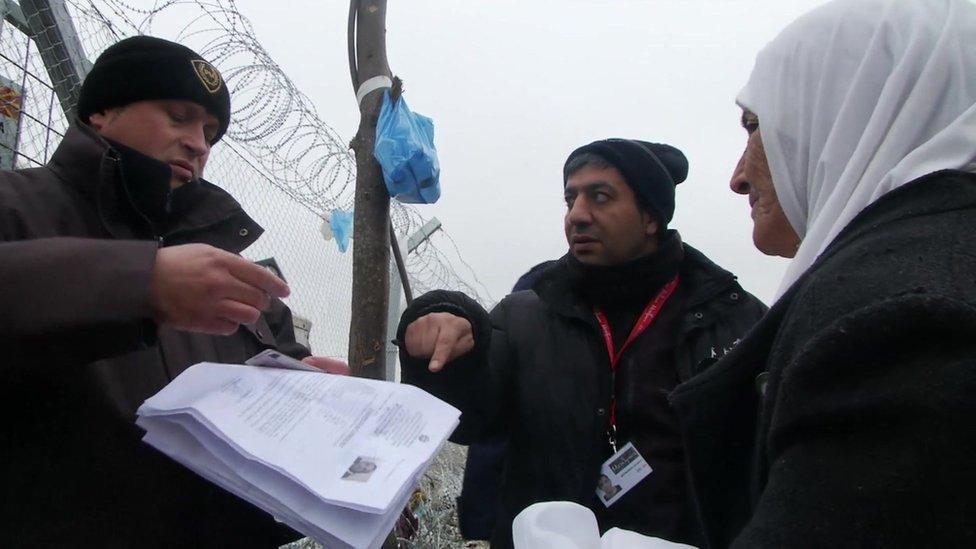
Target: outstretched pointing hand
[(199, 288), (442, 337)]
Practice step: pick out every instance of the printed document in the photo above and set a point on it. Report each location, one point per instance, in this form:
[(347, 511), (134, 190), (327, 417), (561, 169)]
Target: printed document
[(334, 457)]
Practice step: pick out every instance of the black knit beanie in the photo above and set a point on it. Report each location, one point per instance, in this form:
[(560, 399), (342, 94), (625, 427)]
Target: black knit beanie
[(651, 169), (144, 68)]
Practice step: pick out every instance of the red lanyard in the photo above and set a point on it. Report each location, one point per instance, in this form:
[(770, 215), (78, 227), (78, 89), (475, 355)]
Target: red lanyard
[(643, 322)]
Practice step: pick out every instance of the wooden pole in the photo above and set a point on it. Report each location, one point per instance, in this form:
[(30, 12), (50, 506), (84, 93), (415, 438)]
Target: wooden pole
[(371, 221), (371, 248)]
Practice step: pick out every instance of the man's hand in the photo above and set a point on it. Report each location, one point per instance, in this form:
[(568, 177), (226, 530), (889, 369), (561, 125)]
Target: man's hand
[(328, 365), (199, 288), (440, 336)]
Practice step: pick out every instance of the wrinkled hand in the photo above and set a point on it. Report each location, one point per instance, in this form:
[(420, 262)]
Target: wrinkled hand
[(199, 288), (442, 337), (328, 365)]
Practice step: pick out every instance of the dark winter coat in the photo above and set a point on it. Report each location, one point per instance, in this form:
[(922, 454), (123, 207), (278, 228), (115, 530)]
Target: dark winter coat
[(485, 462), (848, 417), (80, 355), (548, 386)]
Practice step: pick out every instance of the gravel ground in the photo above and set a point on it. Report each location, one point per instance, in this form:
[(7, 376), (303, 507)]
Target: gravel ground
[(441, 484)]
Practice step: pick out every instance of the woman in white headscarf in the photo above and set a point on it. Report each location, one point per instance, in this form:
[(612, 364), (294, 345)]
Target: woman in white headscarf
[(848, 416)]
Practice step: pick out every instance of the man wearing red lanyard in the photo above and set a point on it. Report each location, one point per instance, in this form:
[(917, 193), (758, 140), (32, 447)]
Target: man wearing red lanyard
[(577, 371)]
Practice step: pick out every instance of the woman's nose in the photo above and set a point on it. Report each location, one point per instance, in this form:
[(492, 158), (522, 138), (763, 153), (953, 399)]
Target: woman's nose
[(739, 183)]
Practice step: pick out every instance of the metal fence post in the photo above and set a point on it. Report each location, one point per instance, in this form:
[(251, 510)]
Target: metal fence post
[(394, 307), (392, 320), (58, 44), (14, 15)]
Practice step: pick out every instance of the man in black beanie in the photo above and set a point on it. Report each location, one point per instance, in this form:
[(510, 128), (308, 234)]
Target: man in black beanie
[(576, 372), (119, 268)]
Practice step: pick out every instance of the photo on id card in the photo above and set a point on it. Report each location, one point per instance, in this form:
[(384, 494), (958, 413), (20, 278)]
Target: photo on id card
[(620, 473)]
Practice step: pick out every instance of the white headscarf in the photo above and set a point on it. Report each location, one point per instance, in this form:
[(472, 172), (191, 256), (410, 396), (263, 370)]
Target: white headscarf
[(857, 98)]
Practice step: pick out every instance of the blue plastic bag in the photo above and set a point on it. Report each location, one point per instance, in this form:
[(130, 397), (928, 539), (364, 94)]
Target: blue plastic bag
[(405, 150), (341, 228)]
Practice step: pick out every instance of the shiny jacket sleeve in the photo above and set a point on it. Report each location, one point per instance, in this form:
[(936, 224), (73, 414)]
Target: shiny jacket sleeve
[(872, 439)]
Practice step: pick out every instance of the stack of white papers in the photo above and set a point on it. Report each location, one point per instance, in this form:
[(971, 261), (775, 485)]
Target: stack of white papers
[(334, 457)]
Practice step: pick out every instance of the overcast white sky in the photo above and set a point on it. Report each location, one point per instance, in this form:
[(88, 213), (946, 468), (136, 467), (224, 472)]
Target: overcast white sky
[(514, 85)]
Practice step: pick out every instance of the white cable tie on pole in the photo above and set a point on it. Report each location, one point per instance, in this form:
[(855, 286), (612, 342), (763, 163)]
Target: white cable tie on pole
[(371, 85)]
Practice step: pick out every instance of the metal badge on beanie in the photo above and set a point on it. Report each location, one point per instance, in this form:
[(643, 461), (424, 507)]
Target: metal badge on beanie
[(208, 75)]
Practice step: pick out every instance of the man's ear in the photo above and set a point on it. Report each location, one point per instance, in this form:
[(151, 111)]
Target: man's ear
[(651, 226), (98, 120)]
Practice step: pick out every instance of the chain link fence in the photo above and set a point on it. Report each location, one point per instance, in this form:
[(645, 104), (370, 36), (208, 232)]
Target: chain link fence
[(287, 166)]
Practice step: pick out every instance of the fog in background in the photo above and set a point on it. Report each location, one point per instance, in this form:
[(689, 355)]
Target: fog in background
[(513, 86)]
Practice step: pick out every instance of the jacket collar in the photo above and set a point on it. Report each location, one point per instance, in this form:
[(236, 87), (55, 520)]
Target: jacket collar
[(627, 286), (937, 192), (81, 153), (724, 489), (934, 193), (701, 280), (206, 213)]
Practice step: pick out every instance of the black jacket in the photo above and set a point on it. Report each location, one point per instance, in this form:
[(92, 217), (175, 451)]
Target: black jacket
[(485, 462), (80, 355), (847, 418), (548, 386)]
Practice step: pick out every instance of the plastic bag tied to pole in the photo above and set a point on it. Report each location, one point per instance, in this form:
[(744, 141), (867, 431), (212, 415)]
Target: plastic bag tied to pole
[(406, 153), (341, 223)]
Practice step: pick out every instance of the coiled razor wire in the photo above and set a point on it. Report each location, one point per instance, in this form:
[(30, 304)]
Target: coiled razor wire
[(277, 138), (274, 124)]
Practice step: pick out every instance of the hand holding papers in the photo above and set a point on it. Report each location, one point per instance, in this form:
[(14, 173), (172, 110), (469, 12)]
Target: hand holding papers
[(334, 457)]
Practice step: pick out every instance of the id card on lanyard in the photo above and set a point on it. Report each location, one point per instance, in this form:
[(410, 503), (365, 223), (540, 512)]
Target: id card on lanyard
[(644, 321), (626, 467)]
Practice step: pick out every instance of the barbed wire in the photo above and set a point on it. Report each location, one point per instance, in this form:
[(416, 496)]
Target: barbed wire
[(274, 123), (281, 160)]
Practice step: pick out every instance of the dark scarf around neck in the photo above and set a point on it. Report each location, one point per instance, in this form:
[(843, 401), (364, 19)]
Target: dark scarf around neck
[(627, 285), (147, 184)]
